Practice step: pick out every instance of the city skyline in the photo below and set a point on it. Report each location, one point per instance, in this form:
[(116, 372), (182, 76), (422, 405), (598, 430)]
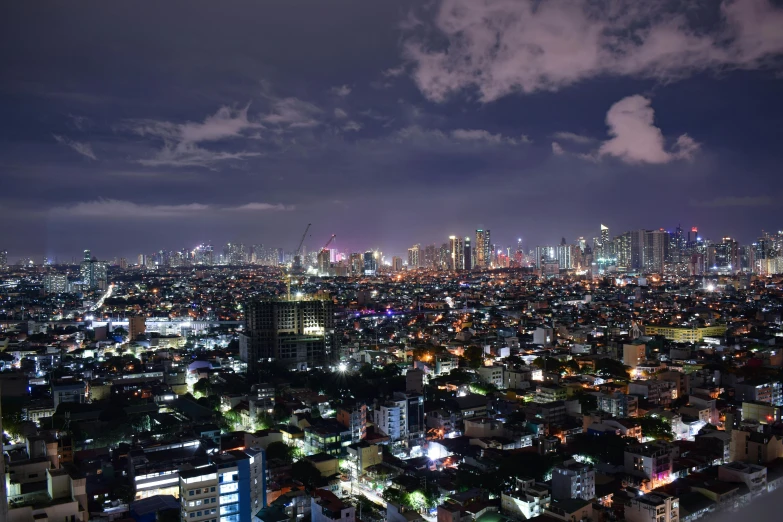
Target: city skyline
[(211, 123), (309, 245)]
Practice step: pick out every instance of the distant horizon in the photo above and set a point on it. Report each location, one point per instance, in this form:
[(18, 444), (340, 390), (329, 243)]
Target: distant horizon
[(218, 247)]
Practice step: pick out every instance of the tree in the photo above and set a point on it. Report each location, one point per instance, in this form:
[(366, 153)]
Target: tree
[(280, 451), (474, 356), (203, 387), (612, 367), (655, 427), (306, 473)]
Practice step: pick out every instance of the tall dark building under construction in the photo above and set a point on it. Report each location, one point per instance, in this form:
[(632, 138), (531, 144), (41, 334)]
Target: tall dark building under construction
[(299, 334)]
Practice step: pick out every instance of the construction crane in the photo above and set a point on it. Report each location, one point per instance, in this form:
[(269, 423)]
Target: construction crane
[(297, 265), (329, 242)]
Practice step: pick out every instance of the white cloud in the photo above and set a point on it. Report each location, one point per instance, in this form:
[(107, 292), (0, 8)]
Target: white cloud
[(393, 72), (341, 114), (83, 148), (352, 126), (180, 140), (119, 209), (261, 207), (636, 139), (293, 113), (342, 90), (486, 136), (570, 136), (113, 208), (504, 46), (557, 149)]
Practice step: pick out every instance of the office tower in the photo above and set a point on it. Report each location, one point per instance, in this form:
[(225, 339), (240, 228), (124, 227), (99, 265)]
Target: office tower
[(580, 242), (93, 272), (204, 255), (638, 238), (142, 260), (235, 254), (430, 256), (622, 249), (457, 253), (724, 256), (370, 264), (656, 250), (357, 264), (483, 248), (123, 263), (566, 256), (543, 254), (444, 257), (605, 239), (55, 283), (414, 256), (693, 236), (324, 262), (396, 263), (467, 258), (299, 334), (3, 258)]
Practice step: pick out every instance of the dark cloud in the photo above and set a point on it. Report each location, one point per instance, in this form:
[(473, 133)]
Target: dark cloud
[(161, 125)]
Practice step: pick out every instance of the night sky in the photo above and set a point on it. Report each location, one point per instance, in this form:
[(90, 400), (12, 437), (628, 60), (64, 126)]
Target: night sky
[(129, 127)]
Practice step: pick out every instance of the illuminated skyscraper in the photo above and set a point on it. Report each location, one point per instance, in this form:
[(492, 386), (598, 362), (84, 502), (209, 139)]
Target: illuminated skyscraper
[(93, 272), (370, 264), (414, 256), (457, 253), (483, 248), (3, 258), (467, 258)]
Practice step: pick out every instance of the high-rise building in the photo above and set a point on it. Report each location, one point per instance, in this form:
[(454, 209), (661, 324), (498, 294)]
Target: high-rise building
[(357, 264), (3, 258), (299, 334), (414, 256), (457, 250), (622, 249), (396, 263), (430, 256), (93, 272), (656, 250), (483, 248), (467, 258), (55, 283), (605, 239), (370, 263), (724, 256), (324, 262)]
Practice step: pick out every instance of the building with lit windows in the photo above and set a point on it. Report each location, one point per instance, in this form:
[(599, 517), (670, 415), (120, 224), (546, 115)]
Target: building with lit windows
[(684, 334), (93, 272), (199, 494), (414, 256), (457, 249), (299, 334), (653, 507), (483, 248)]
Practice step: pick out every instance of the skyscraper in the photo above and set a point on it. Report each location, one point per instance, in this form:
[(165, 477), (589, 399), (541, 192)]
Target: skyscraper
[(414, 256), (370, 264), (467, 258), (299, 334), (483, 248), (93, 272), (3, 258), (457, 253)]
